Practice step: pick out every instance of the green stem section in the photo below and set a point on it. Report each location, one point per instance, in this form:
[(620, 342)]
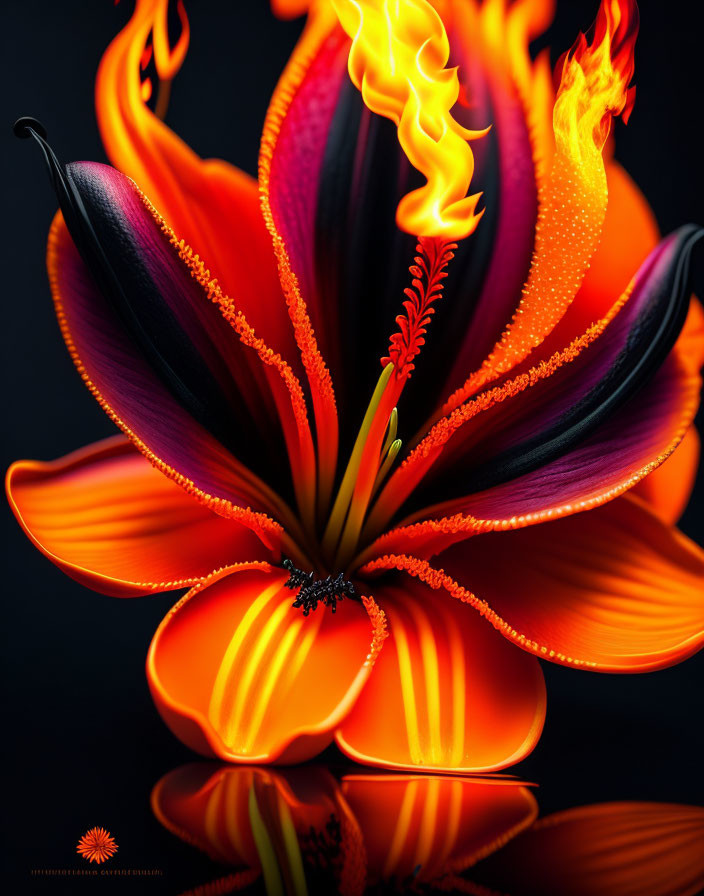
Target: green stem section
[(344, 495)]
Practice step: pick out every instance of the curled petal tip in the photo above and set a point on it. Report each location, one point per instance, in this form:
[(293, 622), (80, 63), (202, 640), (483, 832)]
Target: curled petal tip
[(24, 126)]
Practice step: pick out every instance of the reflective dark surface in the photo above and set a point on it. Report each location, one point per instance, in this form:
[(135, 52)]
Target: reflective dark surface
[(83, 745), (215, 829)]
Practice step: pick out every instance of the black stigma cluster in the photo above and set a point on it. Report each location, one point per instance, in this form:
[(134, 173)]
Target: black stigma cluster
[(327, 591)]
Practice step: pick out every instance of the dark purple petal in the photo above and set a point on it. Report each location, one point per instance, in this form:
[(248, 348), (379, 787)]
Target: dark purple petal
[(548, 420), (158, 350)]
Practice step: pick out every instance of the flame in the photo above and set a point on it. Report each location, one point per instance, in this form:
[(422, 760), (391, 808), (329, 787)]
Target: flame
[(595, 78), (507, 30), (594, 87), (398, 60), (131, 133)]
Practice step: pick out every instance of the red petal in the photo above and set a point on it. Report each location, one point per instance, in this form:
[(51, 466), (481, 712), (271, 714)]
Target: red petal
[(292, 146), (169, 357), (522, 448), (618, 454)]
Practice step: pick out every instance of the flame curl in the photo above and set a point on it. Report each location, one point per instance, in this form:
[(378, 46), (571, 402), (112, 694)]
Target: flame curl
[(594, 87), (398, 61), (594, 81)]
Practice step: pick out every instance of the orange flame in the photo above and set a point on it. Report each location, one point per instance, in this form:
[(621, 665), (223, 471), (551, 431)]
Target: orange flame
[(593, 88), (398, 60), (595, 78), (128, 128)]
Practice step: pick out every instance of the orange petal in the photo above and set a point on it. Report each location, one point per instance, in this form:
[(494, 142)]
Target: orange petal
[(690, 344), (111, 521), (668, 488), (614, 589), (289, 9), (238, 673), (614, 849), (630, 232), (427, 826), (573, 201), (447, 692)]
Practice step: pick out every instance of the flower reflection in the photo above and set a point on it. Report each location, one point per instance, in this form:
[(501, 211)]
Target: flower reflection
[(293, 828), (303, 831)]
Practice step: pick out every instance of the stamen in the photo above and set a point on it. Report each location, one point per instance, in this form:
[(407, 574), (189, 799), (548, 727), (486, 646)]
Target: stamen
[(390, 432), (327, 591), (344, 495), (390, 457), (428, 272)]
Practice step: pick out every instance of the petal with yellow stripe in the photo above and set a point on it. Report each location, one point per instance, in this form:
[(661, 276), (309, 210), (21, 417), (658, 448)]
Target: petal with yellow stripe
[(447, 692), (238, 673), (430, 825)]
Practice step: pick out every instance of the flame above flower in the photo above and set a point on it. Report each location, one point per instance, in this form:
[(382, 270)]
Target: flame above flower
[(398, 60), (127, 125), (593, 88), (595, 78)]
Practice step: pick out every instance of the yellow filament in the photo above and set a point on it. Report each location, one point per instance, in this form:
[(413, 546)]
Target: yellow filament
[(405, 668), (344, 495), (405, 816), (428, 823), (390, 432), (391, 456), (431, 674)]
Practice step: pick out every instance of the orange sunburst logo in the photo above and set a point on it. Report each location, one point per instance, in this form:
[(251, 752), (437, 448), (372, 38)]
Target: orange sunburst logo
[(96, 845)]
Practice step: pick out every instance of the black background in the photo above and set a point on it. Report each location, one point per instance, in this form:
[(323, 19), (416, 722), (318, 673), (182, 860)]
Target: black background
[(83, 742)]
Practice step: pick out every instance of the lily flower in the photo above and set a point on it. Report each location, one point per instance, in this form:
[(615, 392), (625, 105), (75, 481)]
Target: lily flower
[(303, 831), (400, 440)]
